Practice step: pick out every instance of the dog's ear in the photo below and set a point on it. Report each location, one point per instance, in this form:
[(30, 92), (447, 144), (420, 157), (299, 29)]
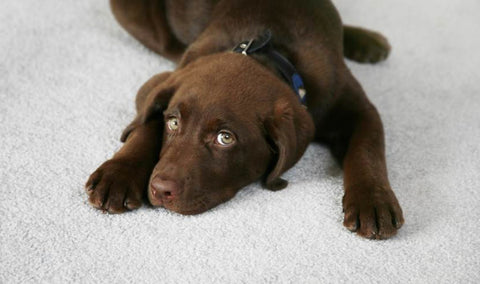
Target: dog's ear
[(290, 129), (152, 99)]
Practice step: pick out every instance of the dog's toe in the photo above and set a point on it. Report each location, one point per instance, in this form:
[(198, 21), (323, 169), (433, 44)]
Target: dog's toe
[(373, 216), (115, 187)]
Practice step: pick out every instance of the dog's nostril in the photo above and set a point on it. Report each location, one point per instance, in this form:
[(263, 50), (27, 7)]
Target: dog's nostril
[(164, 188)]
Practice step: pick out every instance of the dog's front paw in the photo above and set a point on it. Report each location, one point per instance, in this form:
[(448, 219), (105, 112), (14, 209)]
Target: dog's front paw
[(372, 213), (116, 186)]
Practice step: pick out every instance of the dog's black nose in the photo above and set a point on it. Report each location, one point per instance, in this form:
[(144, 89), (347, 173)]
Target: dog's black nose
[(164, 189)]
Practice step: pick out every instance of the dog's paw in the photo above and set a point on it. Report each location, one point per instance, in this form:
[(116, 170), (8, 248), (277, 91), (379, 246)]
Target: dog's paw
[(116, 186), (373, 213), (366, 46)]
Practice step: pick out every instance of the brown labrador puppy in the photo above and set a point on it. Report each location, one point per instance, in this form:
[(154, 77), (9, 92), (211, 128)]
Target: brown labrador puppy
[(223, 120)]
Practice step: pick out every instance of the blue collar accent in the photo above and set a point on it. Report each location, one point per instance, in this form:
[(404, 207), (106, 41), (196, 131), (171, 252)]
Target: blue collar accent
[(263, 45)]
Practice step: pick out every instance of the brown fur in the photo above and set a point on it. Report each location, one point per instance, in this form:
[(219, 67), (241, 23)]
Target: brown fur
[(213, 90)]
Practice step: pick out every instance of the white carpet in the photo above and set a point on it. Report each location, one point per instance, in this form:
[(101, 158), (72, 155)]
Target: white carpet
[(68, 77)]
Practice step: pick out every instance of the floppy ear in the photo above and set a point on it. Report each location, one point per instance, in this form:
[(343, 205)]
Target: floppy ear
[(152, 100), (290, 129)]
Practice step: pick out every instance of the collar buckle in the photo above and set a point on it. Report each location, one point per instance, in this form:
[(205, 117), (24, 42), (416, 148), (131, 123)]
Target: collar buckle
[(244, 46)]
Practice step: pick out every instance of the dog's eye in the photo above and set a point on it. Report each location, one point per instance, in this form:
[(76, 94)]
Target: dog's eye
[(225, 138), (172, 123)]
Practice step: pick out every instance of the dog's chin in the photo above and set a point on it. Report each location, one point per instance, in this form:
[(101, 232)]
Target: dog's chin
[(183, 208), (189, 207), (189, 212)]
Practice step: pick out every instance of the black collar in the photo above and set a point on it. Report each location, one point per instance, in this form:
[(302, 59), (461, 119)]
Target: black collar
[(262, 44)]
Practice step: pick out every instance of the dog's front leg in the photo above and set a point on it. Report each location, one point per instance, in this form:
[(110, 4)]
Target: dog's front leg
[(120, 183), (370, 206)]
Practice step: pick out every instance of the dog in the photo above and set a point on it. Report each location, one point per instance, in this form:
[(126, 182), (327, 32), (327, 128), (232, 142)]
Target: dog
[(255, 83)]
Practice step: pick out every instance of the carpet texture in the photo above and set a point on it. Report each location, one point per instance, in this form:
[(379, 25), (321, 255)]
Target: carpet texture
[(68, 77)]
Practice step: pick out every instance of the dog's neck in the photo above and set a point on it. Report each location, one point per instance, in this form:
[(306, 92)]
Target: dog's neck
[(262, 45)]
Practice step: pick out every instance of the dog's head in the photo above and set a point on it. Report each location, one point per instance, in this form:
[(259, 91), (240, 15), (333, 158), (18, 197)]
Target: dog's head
[(228, 122)]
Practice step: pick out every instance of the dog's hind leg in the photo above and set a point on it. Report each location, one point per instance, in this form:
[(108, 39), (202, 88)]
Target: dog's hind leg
[(364, 46), (147, 22)]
